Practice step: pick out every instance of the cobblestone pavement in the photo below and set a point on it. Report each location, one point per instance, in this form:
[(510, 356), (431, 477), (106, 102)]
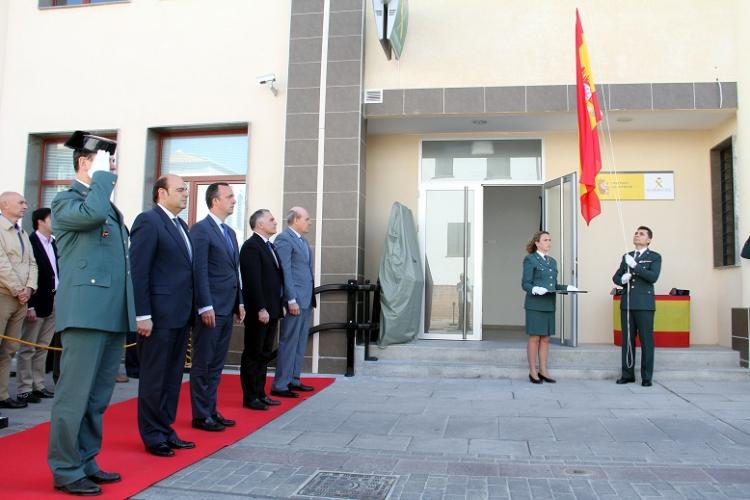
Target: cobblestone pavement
[(451, 439)]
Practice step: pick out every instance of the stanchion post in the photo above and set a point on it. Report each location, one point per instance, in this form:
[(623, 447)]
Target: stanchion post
[(351, 325), (368, 330)]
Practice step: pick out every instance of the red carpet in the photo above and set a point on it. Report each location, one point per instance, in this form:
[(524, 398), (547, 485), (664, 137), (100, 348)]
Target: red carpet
[(24, 472)]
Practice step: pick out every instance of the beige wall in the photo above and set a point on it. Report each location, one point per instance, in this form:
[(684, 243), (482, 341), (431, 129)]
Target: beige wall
[(742, 151), (146, 64), (503, 42), (682, 228), (3, 44)]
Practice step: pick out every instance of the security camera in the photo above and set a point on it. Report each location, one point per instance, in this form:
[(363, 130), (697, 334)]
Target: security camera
[(266, 79), (270, 80)]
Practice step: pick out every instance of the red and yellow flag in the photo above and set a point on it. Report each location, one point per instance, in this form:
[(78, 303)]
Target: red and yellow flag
[(589, 117)]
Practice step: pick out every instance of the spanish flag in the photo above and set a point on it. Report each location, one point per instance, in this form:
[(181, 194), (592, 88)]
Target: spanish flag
[(589, 117)]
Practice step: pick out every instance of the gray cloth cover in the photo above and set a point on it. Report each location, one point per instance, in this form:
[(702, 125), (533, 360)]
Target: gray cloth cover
[(401, 279)]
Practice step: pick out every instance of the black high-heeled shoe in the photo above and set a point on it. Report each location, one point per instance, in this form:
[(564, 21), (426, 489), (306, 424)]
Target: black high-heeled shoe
[(547, 379), (534, 380)]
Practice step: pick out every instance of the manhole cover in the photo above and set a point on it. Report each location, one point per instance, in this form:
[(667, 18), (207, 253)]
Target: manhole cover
[(578, 472), (348, 485)]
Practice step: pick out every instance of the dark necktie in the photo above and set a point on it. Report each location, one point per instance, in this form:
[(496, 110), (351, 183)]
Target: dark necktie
[(307, 247), (637, 254), (228, 239), (273, 254), (182, 236), (20, 238)]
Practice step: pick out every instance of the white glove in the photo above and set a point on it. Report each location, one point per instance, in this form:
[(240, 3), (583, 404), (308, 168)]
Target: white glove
[(630, 261), (538, 290), (572, 288), (100, 163), (625, 278)]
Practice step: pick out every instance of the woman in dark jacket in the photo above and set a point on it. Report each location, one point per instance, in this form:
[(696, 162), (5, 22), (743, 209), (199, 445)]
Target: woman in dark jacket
[(539, 279)]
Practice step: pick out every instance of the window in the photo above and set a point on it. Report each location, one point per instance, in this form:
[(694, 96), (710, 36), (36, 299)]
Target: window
[(482, 160), (722, 201), (204, 157), (57, 167), (46, 4), (455, 245)]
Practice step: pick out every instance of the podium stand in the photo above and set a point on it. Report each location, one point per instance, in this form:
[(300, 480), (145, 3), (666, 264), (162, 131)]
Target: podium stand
[(671, 321)]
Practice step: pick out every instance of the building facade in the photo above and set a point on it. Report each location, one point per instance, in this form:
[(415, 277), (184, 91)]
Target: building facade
[(473, 128)]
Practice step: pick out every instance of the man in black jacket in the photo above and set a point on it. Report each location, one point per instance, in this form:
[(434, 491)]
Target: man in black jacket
[(39, 325), (262, 288)]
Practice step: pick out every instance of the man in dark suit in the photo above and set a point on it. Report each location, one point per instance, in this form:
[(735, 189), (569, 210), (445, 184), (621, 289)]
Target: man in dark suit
[(94, 310), (296, 262), (161, 258), (39, 326), (637, 273), (263, 287), (218, 298)]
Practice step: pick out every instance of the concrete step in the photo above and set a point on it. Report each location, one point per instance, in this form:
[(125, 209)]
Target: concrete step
[(448, 359)]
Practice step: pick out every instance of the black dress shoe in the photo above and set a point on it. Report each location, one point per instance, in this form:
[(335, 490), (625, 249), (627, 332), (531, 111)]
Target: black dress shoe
[(101, 477), (28, 397), (646, 383), (301, 387), (13, 404), (547, 379), (84, 487), (207, 424), (160, 450), (270, 402), (179, 444), (623, 380), (255, 404), (284, 394), (226, 422), (534, 380), (44, 394)]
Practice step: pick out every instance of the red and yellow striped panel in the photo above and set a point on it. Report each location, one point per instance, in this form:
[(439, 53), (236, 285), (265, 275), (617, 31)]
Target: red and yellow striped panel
[(671, 321)]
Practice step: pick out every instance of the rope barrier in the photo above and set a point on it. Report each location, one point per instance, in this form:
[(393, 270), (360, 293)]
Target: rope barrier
[(45, 347)]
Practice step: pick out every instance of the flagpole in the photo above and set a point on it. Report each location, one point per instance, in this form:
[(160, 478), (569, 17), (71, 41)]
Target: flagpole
[(589, 117)]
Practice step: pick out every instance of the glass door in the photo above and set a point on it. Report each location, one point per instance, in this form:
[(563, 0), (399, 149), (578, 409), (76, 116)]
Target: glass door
[(559, 218), (451, 243)]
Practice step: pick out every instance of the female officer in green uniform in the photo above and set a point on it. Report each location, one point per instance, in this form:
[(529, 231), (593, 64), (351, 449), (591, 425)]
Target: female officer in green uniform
[(539, 277)]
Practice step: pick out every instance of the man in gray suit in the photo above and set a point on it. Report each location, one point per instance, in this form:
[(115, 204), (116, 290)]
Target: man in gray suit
[(94, 311), (296, 262)]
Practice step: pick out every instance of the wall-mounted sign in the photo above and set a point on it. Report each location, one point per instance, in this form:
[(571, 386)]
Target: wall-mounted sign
[(635, 186), (391, 23)]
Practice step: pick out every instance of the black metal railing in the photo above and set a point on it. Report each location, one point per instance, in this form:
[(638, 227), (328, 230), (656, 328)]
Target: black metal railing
[(361, 319)]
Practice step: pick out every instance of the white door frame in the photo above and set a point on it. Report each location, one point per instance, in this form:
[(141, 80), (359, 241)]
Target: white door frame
[(476, 245), (477, 187), (568, 265)]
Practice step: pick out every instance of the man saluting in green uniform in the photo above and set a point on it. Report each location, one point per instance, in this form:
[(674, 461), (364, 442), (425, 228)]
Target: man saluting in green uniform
[(637, 273), (94, 309)]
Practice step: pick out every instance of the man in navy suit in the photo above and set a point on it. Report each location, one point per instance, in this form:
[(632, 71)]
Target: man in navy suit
[(263, 288), (161, 260), (218, 298), (39, 326), (296, 261)]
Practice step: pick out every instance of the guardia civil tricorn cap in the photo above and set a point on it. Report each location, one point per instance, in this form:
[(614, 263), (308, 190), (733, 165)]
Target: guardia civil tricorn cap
[(85, 141)]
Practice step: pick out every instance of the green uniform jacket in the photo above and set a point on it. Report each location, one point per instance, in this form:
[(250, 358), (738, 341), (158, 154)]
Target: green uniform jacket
[(95, 290), (641, 285), (537, 272)]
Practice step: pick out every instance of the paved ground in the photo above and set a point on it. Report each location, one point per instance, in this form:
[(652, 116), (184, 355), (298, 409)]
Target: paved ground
[(454, 439)]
